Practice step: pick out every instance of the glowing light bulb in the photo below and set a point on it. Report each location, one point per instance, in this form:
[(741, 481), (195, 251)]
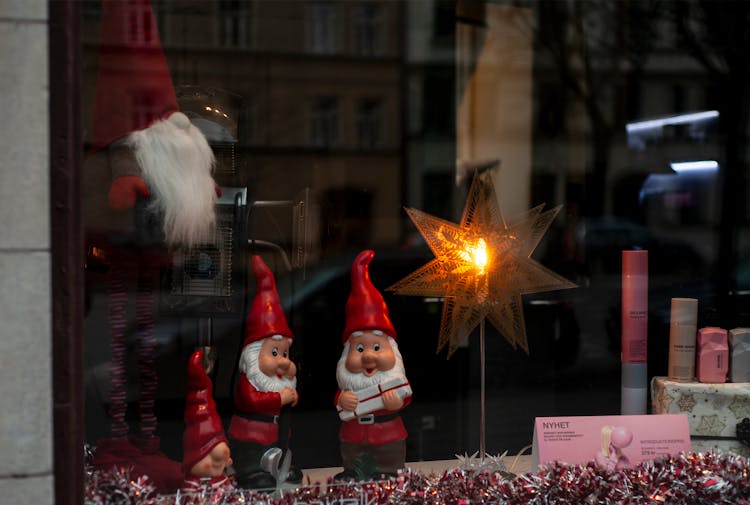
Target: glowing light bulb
[(477, 255)]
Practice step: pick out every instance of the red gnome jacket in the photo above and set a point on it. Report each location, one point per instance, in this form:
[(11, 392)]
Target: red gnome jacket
[(248, 400), (376, 433), (266, 318)]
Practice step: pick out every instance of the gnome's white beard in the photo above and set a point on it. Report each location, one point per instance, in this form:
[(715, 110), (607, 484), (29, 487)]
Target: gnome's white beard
[(176, 163), (259, 380), (357, 381)]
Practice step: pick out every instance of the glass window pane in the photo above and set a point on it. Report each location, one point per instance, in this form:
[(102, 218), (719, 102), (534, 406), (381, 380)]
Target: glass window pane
[(324, 126)]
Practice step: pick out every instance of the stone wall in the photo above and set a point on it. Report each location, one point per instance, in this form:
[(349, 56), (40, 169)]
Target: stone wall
[(25, 306)]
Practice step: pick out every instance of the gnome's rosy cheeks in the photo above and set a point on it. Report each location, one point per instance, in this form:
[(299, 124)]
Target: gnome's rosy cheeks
[(204, 445), (135, 108)]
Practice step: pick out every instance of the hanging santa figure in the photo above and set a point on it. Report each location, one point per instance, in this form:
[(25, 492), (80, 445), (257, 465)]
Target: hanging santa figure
[(143, 149), (266, 389), (372, 384), (205, 452)]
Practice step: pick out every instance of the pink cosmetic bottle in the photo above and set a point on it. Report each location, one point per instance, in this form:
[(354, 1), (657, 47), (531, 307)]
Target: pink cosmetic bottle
[(634, 383), (712, 363)]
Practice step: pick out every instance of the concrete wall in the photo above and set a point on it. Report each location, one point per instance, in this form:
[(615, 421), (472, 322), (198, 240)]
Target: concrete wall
[(25, 306)]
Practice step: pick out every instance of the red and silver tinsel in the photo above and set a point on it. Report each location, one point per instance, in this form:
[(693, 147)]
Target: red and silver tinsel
[(691, 478)]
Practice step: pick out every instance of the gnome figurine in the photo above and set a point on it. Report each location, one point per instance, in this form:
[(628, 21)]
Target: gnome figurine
[(265, 391), (204, 446), (372, 384), (142, 147), (152, 149)]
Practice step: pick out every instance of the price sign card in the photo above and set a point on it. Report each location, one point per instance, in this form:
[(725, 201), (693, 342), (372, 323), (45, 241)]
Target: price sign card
[(612, 442)]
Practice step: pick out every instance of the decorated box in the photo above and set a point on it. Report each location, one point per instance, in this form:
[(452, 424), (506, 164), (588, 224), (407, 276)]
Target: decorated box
[(713, 410), (371, 398)]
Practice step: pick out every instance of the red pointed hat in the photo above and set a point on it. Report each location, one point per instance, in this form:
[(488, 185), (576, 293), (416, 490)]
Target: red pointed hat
[(203, 428), (365, 308), (134, 87), (266, 317)]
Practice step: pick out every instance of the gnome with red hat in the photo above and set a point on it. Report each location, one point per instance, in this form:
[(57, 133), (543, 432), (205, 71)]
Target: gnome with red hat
[(205, 452), (266, 388), (152, 149), (143, 147), (372, 382)]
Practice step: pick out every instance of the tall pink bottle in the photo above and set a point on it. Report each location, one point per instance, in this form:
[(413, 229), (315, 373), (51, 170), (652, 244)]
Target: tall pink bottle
[(712, 363), (634, 382)]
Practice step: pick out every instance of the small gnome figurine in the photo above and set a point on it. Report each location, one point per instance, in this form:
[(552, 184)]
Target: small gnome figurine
[(371, 429), (205, 450), (266, 389)]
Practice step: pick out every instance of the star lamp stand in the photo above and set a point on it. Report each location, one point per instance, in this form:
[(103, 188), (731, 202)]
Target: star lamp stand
[(481, 269)]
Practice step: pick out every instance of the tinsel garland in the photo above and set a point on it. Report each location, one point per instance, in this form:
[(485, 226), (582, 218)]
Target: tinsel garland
[(689, 478)]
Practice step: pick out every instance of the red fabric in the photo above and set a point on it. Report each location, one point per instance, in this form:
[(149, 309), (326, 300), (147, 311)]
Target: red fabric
[(248, 400), (120, 453), (265, 317), (124, 191), (365, 308), (376, 433), (134, 87), (146, 344), (118, 302), (203, 428)]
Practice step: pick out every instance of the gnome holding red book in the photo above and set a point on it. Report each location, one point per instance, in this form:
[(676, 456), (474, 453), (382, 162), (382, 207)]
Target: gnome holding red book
[(142, 147), (266, 389), (372, 383), (204, 446)]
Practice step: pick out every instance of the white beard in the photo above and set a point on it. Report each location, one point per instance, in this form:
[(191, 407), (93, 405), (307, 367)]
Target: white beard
[(357, 381), (176, 163), (259, 380)]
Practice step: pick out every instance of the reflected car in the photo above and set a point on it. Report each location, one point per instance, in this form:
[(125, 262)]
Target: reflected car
[(604, 239)]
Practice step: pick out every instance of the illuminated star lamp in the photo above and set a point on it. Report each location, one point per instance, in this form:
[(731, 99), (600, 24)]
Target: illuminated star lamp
[(482, 266)]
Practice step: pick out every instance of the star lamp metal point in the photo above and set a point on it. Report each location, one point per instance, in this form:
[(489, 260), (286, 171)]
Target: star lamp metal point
[(482, 266)]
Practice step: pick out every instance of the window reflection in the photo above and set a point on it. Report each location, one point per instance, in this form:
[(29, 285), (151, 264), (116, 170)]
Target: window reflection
[(365, 107)]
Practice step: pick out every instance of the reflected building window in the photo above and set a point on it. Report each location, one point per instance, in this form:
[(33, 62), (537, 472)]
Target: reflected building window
[(551, 110), (369, 29), (415, 103), (250, 124), (144, 104), (438, 87), (324, 123), (321, 28), (443, 22), (140, 28), (233, 23), (370, 123)]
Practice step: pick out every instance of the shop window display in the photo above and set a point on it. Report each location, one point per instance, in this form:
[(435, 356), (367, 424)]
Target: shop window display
[(241, 156)]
